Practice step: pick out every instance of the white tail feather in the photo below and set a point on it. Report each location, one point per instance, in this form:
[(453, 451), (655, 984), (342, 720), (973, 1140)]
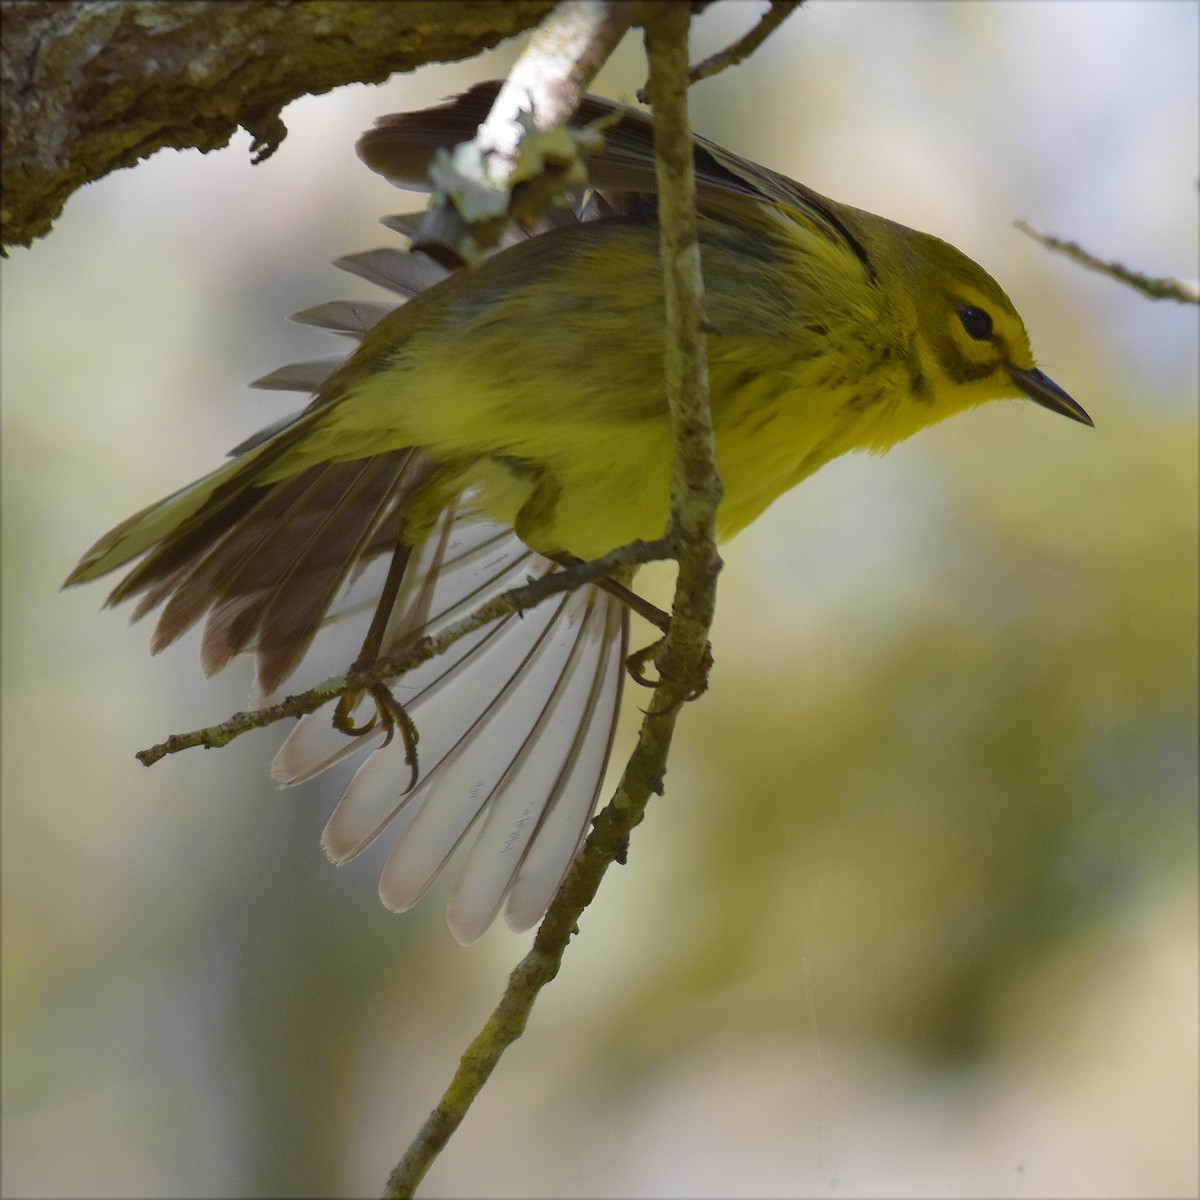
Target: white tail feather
[(539, 780), (565, 823), (465, 781), (515, 722)]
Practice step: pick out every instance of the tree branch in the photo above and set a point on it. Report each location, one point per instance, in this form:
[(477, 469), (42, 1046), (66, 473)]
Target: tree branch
[(522, 141), (90, 88), (514, 600), (683, 660), (1161, 288), (740, 50)]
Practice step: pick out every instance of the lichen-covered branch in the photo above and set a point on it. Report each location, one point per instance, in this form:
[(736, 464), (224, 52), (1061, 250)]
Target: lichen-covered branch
[(523, 140), (90, 88)]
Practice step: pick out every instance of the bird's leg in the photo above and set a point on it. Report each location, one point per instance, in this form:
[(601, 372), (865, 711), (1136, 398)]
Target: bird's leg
[(637, 662), (643, 608), (389, 712)]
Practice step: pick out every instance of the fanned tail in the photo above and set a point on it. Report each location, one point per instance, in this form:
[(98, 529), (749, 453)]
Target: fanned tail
[(516, 722)]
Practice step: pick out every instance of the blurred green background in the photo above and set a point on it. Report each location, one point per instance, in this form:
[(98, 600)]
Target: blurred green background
[(917, 914)]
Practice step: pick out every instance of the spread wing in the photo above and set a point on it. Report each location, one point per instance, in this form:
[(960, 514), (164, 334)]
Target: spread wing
[(401, 146)]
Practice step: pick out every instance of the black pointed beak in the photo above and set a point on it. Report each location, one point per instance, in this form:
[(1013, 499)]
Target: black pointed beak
[(1041, 389)]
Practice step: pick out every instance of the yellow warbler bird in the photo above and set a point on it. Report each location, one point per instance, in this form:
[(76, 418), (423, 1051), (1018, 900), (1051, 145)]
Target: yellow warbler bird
[(503, 417)]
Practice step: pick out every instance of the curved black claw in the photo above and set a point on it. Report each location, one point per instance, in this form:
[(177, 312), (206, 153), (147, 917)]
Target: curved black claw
[(389, 715), (637, 662)]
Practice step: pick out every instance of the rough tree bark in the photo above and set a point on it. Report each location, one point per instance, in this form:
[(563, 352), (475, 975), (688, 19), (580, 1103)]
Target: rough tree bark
[(90, 87)]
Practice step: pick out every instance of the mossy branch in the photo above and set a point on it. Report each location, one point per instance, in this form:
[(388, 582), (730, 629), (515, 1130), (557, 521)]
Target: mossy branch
[(522, 158)]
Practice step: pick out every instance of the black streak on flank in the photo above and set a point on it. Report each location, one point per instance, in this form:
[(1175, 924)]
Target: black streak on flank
[(772, 409), (861, 401), (738, 385), (918, 385), (743, 380)]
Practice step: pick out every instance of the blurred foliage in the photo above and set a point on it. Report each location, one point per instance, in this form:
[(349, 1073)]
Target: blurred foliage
[(998, 776)]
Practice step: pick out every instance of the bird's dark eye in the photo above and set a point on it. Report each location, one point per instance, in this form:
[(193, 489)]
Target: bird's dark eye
[(976, 322)]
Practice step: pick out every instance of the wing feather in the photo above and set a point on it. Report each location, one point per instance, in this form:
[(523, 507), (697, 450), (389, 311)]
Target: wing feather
[(401, 146), (399, 271), (352, 317), (304, 376)]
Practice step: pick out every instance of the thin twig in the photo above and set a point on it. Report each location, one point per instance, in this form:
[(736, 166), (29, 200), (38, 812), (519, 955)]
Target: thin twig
[(683, 661), (750, 41), (1161, 288), (514, 600)]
